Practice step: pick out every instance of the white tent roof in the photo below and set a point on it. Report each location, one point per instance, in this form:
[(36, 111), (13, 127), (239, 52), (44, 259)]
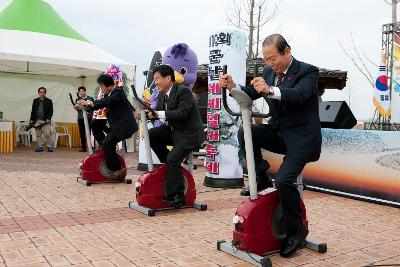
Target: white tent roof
[(39, 53), (35, 40)]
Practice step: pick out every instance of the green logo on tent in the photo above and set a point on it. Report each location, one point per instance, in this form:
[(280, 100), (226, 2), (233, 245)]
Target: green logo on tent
[(36, 16)]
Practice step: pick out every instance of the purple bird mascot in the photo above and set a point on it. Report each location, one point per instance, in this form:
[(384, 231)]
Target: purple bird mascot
[(184, 62)]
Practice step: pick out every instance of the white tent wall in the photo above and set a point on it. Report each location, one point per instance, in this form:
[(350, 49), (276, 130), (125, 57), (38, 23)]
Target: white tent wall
[(17, 92)]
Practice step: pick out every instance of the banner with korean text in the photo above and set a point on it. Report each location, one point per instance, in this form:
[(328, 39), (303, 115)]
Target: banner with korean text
[(227, 46)]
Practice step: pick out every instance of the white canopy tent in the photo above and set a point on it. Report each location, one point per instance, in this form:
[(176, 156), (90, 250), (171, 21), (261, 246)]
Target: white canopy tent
[(37, 49)]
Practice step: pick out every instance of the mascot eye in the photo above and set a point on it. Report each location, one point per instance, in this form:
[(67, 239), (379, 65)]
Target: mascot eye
[(183, 70)]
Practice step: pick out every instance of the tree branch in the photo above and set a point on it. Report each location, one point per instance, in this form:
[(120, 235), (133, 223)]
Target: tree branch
[(272, 14), (360, 58), (370, 61), (355, 63)]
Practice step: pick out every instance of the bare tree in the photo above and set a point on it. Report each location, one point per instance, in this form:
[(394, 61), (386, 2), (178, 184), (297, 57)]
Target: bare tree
[(236, 10), (251, 16), (354, 55), (263, 17), (358, 61)]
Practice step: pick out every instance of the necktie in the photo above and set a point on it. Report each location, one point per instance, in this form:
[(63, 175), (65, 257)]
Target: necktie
[(165, 102), (280, 79), (166, 107)]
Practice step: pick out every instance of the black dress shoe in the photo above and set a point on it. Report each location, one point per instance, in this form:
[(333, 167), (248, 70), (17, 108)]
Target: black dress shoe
[(292, 244), (82, 150), (176, 201), (264, 183), (118, 175)]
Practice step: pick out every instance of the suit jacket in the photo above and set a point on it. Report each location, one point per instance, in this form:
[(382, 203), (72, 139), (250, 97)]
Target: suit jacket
[(119, 113), (47, 109), (183, 117), (297, 117)]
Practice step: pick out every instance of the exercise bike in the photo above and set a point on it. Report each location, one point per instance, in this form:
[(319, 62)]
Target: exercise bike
[(93, 167), (150, 186), (258, 221)]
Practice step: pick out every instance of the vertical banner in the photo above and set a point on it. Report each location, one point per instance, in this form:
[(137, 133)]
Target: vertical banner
[(381, 91), (395, 96), (227, 46)]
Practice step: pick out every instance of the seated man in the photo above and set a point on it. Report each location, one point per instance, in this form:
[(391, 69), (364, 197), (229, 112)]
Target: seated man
[(183, 130), (294, 130), (120, 117)]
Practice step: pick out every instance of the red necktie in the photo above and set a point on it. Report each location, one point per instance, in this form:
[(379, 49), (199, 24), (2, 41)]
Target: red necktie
[(280, 79)]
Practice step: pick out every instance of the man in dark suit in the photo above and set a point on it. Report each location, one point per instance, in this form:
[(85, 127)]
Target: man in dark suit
[(82, 134), (183, 130), (120, 117), (294, 130)]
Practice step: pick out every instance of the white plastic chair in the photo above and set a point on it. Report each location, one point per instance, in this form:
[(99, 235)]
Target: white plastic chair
[(22, 134), (60, 131)]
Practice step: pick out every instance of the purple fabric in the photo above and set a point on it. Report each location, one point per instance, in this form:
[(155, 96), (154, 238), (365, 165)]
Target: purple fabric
[(153, 103), (154, 98), (181, 57)]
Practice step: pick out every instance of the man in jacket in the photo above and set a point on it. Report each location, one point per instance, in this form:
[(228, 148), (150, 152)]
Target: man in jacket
[(120, 118), (183, 130), (294, 130), (81, 124), (41, 113)]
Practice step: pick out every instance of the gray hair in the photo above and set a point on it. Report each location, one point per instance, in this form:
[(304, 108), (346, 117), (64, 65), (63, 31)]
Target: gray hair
[(278, 40)]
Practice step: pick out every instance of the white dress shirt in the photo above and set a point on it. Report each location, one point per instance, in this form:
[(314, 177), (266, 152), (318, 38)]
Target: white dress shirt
[(161, 113)]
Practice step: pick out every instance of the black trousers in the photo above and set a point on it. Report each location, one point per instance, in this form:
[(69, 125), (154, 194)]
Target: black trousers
[(82, 132), (108, 143), (99, 129), (108, 146), (268, 137), (160, 138)]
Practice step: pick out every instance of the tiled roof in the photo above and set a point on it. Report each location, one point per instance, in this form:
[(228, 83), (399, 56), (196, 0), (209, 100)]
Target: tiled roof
[(333, 79)]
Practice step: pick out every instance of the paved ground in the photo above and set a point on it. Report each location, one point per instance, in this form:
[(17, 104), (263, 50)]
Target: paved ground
[(48, 219)]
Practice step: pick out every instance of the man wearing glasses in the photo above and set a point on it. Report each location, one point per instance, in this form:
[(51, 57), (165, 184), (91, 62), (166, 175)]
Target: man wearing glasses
[(42, 111)]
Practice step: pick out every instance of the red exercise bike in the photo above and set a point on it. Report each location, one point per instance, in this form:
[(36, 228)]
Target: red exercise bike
[(258, 220), (150, 187), (93, 167)]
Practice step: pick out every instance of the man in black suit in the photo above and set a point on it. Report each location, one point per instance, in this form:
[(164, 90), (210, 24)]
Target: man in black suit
[(183, 130), (294, 130), (82, 134), (120, 117)]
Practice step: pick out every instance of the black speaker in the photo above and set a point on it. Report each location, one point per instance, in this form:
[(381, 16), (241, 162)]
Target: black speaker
[(336, 115)]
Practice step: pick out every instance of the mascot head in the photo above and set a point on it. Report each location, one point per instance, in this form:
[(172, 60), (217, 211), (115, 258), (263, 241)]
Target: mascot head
[(184, 62)]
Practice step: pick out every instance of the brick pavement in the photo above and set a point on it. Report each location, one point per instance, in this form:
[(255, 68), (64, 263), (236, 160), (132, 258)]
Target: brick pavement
[(48, 219)]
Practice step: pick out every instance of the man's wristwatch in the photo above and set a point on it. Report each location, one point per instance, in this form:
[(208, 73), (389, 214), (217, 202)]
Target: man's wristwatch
[(270, 91)]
